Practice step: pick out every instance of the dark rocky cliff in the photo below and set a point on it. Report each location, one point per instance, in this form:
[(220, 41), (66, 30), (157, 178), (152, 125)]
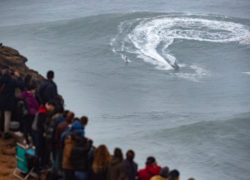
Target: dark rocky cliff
[(11, 58)]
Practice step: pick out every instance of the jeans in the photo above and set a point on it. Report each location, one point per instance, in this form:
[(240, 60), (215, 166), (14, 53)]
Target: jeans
[(81, 175)]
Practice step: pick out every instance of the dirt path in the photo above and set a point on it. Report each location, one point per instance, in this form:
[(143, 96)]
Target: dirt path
[(7, 159)]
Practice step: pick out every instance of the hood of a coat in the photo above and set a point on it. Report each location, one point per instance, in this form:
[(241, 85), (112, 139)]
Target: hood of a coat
[(77, 128)]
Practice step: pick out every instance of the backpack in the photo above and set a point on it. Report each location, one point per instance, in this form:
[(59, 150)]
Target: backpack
[(80, 153), (50, 132), (22, 108)]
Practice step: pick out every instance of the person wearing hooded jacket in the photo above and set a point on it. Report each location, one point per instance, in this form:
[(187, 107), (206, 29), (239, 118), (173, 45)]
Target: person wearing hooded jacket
[(80, 156), (69, 138), (150, 170)]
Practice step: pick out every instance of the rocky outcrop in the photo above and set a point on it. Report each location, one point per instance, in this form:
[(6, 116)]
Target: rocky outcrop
[(11, 58)]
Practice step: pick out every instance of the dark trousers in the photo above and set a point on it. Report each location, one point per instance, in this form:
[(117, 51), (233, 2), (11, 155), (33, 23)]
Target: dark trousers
[(27, 123), (42, 151), (69, 174)]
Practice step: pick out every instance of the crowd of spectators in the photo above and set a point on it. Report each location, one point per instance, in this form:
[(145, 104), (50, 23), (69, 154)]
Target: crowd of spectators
[(58, 136)]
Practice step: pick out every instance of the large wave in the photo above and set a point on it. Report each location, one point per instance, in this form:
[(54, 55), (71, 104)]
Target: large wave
[(149, 39)]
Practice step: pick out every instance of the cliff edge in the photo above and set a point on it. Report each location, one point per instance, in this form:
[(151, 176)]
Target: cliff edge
[(11, 58)]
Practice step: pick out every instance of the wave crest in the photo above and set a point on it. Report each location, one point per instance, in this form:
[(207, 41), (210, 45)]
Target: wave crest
[(149, 38)]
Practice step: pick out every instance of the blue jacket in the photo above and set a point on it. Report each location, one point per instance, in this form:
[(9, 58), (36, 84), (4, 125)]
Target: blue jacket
[(76, 128)]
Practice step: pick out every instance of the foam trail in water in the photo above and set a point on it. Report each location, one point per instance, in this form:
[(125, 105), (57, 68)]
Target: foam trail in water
[(248, 73), (150, 38)]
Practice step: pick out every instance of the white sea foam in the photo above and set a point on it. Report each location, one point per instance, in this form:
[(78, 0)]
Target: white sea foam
[(125, 58), (150, 38), (248, 73), (245, 41)]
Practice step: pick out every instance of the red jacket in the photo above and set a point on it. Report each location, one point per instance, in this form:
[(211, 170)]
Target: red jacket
[(148, 172), (42, 118), (42, 109)]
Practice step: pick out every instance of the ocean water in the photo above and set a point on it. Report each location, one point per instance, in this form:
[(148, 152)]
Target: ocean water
[(166, 78)]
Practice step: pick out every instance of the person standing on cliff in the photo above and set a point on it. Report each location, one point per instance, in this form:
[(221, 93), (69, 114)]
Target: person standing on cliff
[(48, 89), (32, 105), (39, 127), (8, 84), (130, 167), (116, 168), (150, 170)]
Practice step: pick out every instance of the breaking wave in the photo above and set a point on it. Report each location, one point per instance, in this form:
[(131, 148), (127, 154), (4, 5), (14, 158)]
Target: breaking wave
[(149, 39)]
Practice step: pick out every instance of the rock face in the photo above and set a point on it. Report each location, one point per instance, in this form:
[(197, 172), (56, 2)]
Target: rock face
[(11, 58)]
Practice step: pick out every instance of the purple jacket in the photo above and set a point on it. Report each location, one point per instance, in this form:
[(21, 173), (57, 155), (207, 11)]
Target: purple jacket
[(31, 102)]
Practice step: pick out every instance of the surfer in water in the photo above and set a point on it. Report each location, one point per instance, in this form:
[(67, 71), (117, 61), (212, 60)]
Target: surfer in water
[(126, 60), (175, 66)]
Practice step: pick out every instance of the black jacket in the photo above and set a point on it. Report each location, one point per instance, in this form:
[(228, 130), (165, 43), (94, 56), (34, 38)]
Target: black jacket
[(7, 96), (99, 176), (79, 153), (47, 91), (130, 168)]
